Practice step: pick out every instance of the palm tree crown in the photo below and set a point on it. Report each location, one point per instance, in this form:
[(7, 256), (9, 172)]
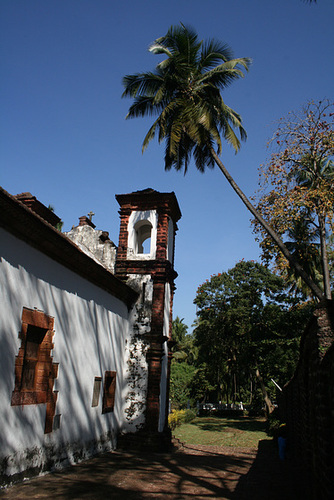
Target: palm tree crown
[(317, 176), (303, 245), (185, 92)]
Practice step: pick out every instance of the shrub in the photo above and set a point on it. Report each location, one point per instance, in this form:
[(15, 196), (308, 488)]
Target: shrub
[(275, 427), (174, 418), (178, 417), (189, 416)]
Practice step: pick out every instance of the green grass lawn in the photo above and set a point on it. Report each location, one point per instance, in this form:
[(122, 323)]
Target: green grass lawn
[(242, 432)]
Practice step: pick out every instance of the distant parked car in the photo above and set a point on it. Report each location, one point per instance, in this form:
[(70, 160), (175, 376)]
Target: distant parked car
[(209, 407)]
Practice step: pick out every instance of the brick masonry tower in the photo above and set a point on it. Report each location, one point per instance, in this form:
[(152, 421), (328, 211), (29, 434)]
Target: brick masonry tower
[(145, 258)]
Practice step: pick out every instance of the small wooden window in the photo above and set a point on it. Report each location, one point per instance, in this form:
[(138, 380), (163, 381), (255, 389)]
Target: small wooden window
[(96, 391), (34, 338), (34, 370), (109, 392)]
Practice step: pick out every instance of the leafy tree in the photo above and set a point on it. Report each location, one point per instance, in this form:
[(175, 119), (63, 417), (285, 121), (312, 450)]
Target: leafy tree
[(184, 348), (180, 383), (200, 387), (303, 244), (247, 326), (183, 369), (298, 188), (184, 92), (179, 330)]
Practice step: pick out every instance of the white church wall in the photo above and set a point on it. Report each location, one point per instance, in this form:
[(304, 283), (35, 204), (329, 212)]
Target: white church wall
[(135, 353), (164, 361), (91, 334), (93, 243)]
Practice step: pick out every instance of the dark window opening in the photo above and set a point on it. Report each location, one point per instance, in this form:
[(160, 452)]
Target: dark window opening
[(109, 392), (34, 338)]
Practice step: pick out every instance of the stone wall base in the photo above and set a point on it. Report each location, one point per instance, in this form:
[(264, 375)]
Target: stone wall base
[(37, 461)]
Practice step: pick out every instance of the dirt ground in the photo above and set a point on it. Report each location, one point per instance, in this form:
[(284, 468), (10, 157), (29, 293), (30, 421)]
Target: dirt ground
[(192, 472)]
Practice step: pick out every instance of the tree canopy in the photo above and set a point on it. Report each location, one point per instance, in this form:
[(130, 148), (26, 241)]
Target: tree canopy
[(297, 190), (184, 92), (246, 321), (183, 364), (246, 334)]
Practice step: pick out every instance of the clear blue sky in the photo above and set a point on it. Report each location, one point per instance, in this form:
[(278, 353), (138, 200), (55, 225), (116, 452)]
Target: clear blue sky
[(63, 133)]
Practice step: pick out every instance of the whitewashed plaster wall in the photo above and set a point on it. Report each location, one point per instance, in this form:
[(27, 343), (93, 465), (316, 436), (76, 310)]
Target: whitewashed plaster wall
[(136, 351), (137, 216), (92, 330), (164, 361), (89, 241)]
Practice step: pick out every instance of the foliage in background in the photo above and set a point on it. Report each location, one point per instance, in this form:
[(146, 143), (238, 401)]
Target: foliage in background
[(182, 376), (183, 367), (297, 193), (60, 224), (178, 417), (247, 323), (274, 425)]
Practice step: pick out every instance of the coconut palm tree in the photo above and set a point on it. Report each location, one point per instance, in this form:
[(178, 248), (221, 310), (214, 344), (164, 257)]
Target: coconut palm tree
[(317, 176), (184, 92), (303, 245)]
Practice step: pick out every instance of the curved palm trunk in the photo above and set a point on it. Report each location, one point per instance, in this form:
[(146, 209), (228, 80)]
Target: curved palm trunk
[(274, 236)]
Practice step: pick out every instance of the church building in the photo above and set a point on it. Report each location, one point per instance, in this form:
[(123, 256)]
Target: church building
[(85, 331)]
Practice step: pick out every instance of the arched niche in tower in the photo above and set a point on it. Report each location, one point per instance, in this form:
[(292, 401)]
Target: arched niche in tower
[(142, 235), (143, 230)]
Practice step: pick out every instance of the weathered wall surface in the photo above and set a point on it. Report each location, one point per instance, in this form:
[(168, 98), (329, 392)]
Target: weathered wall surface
[(307, 403), (136, 351), (92, 334), (96, 244), (164, 364), (135, 218)]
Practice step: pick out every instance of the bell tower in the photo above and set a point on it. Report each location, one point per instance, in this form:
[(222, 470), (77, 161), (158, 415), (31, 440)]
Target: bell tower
[(145, 258)]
